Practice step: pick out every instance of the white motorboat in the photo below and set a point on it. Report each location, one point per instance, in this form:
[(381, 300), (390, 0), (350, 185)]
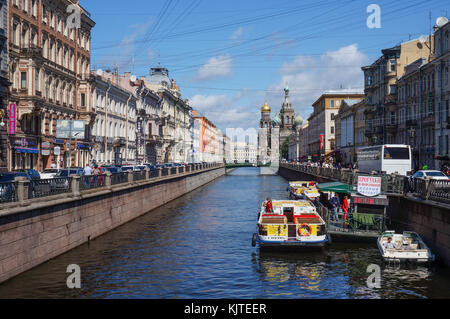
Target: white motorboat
[(406, 247)]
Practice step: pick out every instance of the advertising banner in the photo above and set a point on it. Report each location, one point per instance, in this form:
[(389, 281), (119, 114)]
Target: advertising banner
[(12, 119), (277, 230), (369, 186), (70, 129), (322, 142)]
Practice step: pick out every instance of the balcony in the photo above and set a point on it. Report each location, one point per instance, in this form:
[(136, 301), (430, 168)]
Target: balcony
[(411, 123), (390, 99), (391, 127), (31, 52), (369, 131)]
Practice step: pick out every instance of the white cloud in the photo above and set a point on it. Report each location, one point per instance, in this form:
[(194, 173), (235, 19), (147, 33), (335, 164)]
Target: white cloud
[(216, 67), (237, 34), (222, 111), (308, 77)]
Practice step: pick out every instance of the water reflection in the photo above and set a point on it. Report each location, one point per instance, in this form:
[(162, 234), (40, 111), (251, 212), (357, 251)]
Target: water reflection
[(199, 246)]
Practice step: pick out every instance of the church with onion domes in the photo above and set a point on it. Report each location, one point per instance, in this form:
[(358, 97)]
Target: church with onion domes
[(274, 132)]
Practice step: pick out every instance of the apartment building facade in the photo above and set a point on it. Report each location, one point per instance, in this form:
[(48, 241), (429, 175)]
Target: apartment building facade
[(322, 126), (49, 64), (176, 117), (114, 131), (4, 84), (210, 145), (381, 89)]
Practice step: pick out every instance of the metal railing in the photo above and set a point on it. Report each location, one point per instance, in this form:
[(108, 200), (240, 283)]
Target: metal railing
[(119, 178), (391, 184), (92, 182), (22, 190), (8, 192), (49, 187), (154, 174), (139, 176)]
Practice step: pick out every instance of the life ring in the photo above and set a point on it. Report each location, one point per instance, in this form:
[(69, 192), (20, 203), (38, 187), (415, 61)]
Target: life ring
[(304, 230)]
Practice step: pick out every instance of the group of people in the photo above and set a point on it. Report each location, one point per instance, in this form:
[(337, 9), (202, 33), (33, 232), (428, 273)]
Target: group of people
[(335, 203), (88, 170)]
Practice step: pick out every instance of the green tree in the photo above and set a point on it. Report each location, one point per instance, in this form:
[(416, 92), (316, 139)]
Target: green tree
[(284, 149)]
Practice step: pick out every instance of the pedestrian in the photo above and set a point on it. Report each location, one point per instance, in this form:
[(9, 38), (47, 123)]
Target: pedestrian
[(53, 165), (335, 204), (269, 206), (96, 172), (345, 206), (87, 171)]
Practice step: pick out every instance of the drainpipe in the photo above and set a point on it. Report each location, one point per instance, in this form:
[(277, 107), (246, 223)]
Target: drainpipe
[(420, 116), (146, 159), (126, 129), (106, 119)]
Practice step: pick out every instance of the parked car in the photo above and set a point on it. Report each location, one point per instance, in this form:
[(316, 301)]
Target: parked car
[(7, 189), (111, 169), (9, 177), (430, 174), (151, 167), (60, 182), (34, 174), (129, 168), (49, 173)]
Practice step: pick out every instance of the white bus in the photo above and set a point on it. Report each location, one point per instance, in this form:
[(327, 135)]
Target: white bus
[(390, 159)]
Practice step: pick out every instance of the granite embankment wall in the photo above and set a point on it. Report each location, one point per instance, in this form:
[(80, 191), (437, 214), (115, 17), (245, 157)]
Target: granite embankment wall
[(431, 220), (38, 230)]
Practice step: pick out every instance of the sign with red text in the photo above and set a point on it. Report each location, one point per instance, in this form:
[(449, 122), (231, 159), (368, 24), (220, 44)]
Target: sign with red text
[(322, 142), (12, 119), (369, 186)]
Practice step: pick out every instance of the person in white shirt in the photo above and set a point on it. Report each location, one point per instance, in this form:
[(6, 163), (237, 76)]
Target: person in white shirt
[(87, 170), (389, 244)]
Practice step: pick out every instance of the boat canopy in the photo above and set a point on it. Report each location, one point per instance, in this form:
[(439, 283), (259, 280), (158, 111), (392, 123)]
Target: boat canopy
[(335, 187)]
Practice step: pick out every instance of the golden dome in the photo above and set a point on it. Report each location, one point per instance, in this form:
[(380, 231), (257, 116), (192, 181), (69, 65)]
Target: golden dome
[(265, 108)]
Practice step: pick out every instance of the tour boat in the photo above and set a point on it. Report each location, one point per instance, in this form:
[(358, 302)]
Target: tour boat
[(292, 224), (297, 189), (408, 247)]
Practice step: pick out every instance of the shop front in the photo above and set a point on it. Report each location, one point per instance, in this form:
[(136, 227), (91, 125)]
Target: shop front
[(25, 153)]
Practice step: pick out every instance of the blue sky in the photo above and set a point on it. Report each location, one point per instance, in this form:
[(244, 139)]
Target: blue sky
[(228, 57)]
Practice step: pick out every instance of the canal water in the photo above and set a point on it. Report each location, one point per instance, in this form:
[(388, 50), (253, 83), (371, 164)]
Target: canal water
[(199, 246)]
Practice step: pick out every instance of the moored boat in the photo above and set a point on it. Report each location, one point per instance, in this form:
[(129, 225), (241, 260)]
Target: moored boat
[(406, 247), (297, 189), (292, 224)]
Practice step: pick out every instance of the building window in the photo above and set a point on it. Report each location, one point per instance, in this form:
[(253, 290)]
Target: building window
[(331, 103), (36, 80), (83, 100), (392, 64), (392, 89), (332, 130), (23, 80)]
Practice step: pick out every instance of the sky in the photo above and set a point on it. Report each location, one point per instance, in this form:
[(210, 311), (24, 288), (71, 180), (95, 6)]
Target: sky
[(229, 57)]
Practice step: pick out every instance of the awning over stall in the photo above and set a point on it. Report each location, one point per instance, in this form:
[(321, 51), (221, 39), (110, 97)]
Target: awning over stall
[(335, 187)]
